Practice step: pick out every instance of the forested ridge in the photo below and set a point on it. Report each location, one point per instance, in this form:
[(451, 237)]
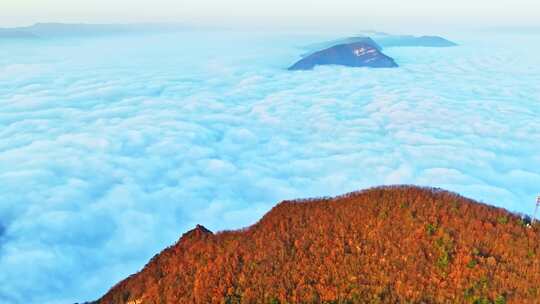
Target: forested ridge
[(398, 244)]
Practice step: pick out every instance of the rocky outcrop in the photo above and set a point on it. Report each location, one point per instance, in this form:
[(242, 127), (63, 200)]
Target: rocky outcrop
[(199, 232)]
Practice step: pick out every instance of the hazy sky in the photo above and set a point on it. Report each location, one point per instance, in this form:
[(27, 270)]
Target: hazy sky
[(477, 13)]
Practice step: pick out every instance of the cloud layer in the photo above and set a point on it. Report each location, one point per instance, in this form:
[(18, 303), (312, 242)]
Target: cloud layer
[(111, 148)]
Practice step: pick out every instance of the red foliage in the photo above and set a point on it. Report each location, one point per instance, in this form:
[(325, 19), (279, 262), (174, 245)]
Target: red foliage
[(383, 245)]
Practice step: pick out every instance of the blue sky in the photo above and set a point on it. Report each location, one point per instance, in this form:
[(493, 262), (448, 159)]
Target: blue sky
[(391, 13)]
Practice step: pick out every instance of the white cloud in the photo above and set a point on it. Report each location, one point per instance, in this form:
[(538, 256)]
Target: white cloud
[(110, 149)]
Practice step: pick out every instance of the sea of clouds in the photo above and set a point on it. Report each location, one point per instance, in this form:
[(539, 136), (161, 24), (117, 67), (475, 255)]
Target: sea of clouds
[(111, 148)]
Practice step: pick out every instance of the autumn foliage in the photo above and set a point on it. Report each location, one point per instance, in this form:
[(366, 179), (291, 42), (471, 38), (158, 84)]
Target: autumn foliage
[(383, 245)]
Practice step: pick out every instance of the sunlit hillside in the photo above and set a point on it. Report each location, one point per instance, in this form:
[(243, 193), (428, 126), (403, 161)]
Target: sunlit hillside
[(383, 245)]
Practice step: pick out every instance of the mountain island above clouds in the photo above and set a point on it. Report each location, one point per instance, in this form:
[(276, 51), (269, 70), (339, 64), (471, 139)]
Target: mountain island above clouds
[(357, 54), (363, 51), (398, 244)]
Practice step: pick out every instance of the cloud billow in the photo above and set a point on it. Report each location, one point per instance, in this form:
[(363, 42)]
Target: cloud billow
[(111, 148)]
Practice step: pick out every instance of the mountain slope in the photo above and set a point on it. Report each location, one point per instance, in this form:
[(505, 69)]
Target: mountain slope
[(383, 245), (358, 54)]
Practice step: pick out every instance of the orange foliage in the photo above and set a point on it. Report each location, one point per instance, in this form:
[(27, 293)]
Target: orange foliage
[(383, 245)]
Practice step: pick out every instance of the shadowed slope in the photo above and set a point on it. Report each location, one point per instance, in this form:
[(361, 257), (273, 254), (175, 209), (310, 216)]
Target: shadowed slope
[(383, 245), (357, 54)]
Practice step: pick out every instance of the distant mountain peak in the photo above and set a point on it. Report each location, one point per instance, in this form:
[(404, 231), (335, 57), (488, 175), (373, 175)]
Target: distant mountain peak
[(356, 54)]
